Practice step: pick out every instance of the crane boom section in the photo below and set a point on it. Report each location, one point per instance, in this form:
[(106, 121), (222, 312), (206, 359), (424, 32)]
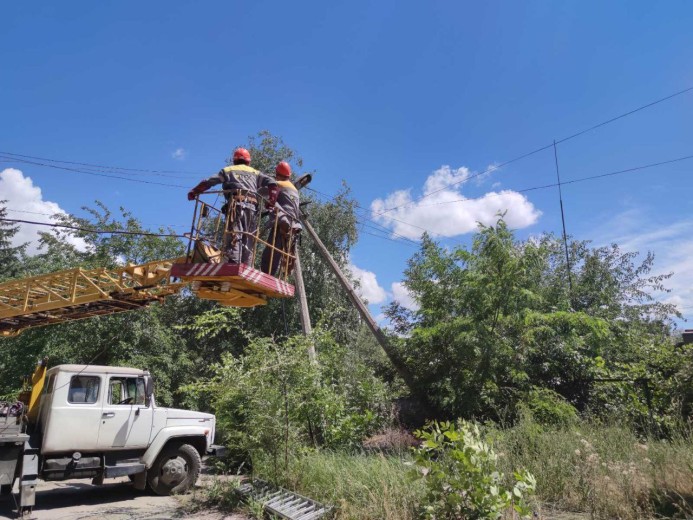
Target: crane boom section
[(81, 293)]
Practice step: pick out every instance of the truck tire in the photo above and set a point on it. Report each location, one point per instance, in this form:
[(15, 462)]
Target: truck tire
[(175, 470)]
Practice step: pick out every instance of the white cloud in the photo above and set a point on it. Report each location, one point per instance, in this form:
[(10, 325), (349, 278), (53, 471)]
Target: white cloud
[(402, 295), (179, 154), (369, 288), (447, 212), (672, 245), (21, 194), (480, 178)]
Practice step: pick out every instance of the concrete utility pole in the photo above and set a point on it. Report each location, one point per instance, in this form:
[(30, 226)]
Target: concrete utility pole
[(363, 310), (303, 305)]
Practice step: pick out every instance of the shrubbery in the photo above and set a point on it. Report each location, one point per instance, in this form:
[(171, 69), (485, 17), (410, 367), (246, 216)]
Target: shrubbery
[(462, 478), (272, 402)]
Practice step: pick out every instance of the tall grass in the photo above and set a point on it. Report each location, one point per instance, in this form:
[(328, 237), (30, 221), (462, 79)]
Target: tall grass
[(363, 487), (605, 471), (600, 471)]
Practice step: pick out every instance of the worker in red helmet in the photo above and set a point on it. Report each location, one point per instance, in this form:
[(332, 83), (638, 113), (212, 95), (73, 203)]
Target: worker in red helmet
[(284, 224), (241, 185)]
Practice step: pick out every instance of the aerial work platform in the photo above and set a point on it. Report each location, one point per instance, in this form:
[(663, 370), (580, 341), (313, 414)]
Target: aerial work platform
[(238, 285), (210, 275)]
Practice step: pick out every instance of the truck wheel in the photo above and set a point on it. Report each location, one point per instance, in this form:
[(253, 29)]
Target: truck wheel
[(175, 470)]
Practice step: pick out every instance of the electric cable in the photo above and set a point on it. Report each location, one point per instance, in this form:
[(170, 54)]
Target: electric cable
[(67, 214), (98, 165), (374, 225), (571, 181), (92, 230), (134, 233), (541, 149), (100, 174), (14, 157), (533, 188)]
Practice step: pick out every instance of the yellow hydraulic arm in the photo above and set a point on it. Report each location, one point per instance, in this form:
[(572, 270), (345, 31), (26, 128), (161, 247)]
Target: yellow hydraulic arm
[(81, 293)]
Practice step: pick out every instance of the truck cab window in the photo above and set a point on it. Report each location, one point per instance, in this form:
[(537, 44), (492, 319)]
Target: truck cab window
[(127, 391), (83, 389)]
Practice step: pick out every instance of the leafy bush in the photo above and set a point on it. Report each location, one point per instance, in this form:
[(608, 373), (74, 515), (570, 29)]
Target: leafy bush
[(272, 403), (549, 408), (461, 476)]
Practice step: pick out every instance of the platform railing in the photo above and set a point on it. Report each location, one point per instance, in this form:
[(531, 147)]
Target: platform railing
[(213, 226)]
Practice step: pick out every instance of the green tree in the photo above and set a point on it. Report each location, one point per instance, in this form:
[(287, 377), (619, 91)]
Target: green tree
[(11, 257), (498, 319)]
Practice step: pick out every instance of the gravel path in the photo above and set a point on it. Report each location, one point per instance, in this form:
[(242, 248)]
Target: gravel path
[(115, 500)]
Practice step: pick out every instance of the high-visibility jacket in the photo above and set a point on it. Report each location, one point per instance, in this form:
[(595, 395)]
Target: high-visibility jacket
[(241, 177), (288, 208)]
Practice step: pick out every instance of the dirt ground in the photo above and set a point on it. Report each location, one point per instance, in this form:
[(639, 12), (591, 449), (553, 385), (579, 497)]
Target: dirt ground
[(115, 500)]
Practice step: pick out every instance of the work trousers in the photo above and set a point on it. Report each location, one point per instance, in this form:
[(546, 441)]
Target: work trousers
[(240, 237), (284, 242)]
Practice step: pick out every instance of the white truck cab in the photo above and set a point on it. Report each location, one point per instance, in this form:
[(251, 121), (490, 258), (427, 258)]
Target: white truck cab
[(101, 422)]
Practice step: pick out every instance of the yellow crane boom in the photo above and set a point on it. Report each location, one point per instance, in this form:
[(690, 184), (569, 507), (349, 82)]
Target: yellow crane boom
[(82, 293)]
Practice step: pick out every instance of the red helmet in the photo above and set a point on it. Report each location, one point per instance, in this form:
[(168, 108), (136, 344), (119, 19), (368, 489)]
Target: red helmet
[(283, 169), (241, 154)]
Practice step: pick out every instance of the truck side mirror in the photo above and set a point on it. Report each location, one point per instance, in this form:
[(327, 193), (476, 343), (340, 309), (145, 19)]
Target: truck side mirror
[(148, 387)]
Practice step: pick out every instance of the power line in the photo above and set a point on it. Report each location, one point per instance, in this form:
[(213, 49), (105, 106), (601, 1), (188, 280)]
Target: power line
[(98, 174), (11, 156), (541, 149), (34, 212), (374, 224), (546, 186), (99, 165), (379, 228), (92, 230), (572, 181), (89, 172), (525, 190), (67, 214), (407, 242), (133, 233)]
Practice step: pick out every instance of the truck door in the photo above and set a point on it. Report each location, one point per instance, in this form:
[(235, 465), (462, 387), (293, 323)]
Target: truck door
[(72, 413), (126, 419)]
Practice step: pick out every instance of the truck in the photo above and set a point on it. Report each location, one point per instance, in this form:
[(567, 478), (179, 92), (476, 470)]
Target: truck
[(89, 421)]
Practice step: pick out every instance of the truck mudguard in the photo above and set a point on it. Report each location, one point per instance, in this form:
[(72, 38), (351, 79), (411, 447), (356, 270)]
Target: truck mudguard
[(172, 432)]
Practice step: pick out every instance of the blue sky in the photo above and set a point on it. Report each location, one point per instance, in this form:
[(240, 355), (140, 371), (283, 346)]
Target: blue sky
[(389, 96)]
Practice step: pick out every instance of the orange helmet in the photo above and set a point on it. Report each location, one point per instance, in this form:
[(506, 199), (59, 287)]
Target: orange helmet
[(242, 155), (283, 169)]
